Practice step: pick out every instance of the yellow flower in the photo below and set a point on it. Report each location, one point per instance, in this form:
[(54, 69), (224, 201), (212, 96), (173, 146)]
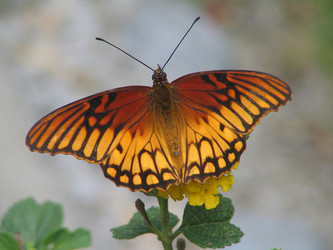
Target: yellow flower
[(199, 194), (225, 182), (174, 191), (236, 165)]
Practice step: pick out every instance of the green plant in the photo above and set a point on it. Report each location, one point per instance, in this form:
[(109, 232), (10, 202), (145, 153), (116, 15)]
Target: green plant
[(205, 228), (32, 226)]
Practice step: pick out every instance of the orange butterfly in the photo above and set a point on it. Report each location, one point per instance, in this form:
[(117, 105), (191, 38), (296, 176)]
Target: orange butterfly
[(151, 137), (148, 138)]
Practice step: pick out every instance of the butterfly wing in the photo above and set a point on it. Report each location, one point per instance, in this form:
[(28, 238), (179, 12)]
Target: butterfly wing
[(211, 148), (220, 108), (141, 160), (91, 127), (238, 99), (113, 128)]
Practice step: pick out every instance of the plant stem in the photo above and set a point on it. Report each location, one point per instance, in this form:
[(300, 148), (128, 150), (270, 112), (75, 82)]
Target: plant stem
[(176, 233), (166, 232)]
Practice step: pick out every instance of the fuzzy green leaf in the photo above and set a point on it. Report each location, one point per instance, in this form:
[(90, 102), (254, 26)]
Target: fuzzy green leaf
[(63, 239), (211, 228), (31, 220), (8, 241), (39, 227), (138, 226)]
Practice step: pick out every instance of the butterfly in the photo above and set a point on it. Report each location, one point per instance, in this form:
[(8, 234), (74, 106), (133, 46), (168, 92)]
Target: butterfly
[(148, 138)]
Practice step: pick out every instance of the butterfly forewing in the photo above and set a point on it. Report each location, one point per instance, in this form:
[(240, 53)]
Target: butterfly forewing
[(91, 127), (238, 99)]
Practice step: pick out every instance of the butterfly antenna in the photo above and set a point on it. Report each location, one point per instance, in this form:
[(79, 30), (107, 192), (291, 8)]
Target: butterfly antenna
[(101, 39), (180, 41)]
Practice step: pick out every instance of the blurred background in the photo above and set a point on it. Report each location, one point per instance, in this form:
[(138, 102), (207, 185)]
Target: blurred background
[(49, 57)]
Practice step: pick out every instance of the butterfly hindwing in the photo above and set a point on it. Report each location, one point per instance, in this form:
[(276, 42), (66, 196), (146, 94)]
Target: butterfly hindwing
[(140, 161), (212, 148)]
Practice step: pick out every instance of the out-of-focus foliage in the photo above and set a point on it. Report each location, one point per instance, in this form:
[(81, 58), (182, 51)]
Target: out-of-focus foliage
[(305, 25)]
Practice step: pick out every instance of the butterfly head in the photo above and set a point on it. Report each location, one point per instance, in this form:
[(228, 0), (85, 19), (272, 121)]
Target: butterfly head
[(161, 91), (159, 77)]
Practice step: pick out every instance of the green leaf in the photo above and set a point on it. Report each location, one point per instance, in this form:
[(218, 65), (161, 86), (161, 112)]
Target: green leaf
[(138, 226), (211, 228), (64, 239), (8, 241), (39, 227), (31, 220)]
